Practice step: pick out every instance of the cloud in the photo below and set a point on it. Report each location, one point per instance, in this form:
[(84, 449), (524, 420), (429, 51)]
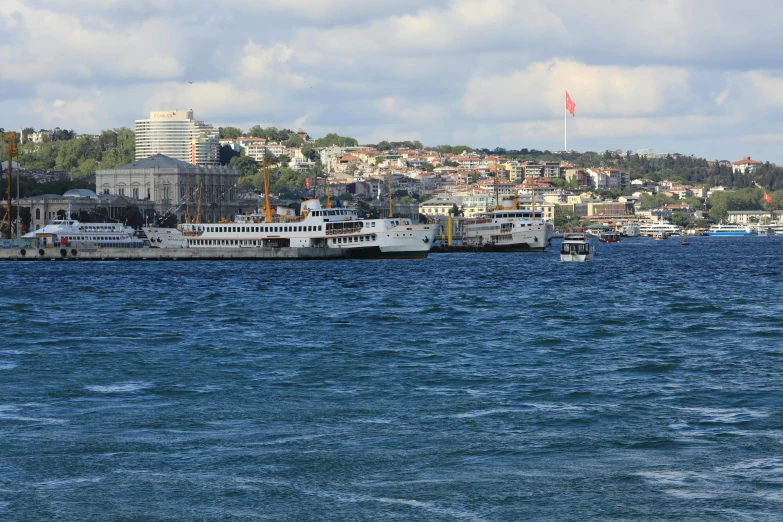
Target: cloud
[(484, 72), (270, 65), (60, 46), (396, 109), (539, 90)]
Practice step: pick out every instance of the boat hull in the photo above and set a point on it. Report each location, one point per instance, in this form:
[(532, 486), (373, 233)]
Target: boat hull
[(738, 233), (379, 253), (576, 258)]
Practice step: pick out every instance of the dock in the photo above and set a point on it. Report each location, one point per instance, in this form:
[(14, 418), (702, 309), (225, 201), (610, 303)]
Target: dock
[(167, 254)]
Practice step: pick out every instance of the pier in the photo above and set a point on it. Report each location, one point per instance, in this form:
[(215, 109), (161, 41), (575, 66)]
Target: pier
[(167, 254)]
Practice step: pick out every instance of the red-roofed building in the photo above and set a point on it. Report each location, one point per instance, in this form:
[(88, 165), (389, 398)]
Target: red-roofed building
[(745, 165)]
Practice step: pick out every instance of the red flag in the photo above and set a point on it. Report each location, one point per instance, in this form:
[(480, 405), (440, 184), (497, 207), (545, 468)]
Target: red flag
[(570, 105), (307, 183), (767, 197)]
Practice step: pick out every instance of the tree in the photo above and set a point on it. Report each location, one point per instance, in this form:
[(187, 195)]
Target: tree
[(227, 153), (167, 220), (294, 141), (283, 160), (245, 165), (455, 211), (131, 216), (310, 153), (680, 219), (229, 133), (335, 139)]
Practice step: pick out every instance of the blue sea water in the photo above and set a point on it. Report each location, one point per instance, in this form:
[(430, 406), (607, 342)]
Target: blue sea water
[(644, 385)]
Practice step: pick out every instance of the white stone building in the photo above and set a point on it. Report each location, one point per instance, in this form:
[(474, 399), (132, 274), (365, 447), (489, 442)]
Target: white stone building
[(170, 183)]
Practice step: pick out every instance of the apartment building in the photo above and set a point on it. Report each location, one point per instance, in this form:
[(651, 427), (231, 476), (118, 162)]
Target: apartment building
[(176, 134)]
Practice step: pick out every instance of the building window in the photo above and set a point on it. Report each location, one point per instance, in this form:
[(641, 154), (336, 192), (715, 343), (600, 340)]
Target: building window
[(121, 191), (165, 192), (135, 193), (38, 213)]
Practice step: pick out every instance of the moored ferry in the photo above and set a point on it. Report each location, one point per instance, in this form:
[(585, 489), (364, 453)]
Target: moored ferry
[(314, 227), (730, 230), (72, 233), (667, 229), (508, 229)]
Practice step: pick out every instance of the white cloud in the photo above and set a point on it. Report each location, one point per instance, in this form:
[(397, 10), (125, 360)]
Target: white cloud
[(270, 65), (396, 109), (539, 89), (483, 72), (56, 45)]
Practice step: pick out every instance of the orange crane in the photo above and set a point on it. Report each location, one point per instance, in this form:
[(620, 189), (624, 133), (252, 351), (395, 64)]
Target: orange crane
[(266, 174), (12, 151)]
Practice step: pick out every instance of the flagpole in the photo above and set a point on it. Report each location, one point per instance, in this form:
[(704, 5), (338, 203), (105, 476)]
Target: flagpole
[(565, 126)]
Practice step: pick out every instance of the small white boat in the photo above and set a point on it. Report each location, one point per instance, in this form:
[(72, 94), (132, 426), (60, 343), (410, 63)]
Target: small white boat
[(659, 235), (576, 247)]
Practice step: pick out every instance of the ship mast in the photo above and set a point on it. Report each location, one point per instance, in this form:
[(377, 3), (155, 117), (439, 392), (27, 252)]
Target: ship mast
[(265, 172), (494, 168), (187, 206), (200, 193)]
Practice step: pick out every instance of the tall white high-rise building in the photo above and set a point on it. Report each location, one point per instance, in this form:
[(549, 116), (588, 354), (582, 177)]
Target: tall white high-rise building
[(177, 135)]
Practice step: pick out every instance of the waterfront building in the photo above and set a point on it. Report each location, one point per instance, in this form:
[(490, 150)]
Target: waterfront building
[(750, 217), (169, 182), (177, 135), (441, 206)]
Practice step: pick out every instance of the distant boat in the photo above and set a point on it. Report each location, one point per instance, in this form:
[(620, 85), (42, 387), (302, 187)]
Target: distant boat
[(609, 237), (730, 230), (659, 235), (631, 230), (648, 229)]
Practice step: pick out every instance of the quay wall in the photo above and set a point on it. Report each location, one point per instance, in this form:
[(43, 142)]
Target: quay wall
[(172, 254)]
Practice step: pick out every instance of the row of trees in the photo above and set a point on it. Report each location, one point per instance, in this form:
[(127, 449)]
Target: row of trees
[(82, 156)]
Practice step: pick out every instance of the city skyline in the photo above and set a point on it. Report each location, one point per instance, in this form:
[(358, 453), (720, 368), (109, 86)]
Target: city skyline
[(698, 78)]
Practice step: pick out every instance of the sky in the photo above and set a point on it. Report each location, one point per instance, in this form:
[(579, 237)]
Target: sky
[(701, 77)]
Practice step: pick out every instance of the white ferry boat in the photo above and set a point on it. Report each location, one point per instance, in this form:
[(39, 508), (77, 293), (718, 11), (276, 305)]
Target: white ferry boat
[(649, 229), (315, 227), (72, 233), (576, 247), (730, 230), (508, 229)]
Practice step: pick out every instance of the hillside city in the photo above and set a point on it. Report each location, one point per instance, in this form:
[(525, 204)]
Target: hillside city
[(425, 182)]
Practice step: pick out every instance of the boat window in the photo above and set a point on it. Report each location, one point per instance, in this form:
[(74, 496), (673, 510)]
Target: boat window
[(319, 228)]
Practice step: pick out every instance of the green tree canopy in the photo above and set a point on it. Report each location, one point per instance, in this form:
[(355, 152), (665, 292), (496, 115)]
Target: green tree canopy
[(230, 133), (335, 139)]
